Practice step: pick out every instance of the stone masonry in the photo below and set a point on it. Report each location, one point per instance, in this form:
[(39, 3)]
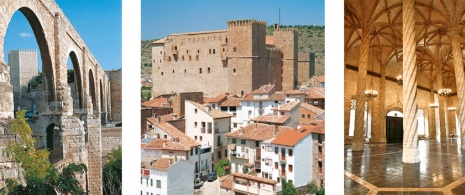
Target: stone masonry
[(23, 67)]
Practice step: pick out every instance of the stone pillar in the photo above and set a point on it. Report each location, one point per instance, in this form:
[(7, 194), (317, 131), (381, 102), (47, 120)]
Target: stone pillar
[(6, 92), (442, 111), (94, 155), (410, 153), (431, 114), (460, 82), (360, 96), (369, 119), (379, 134)]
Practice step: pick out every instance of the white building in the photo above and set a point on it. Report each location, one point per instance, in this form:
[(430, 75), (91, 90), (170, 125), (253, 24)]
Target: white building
[(214, 102), (233, 106), (167, 176), (208, 127), (244, 145), (172, 143), (294, 95), (260, 102), (289, 156)]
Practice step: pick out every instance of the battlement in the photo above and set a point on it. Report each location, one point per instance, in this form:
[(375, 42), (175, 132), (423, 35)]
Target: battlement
[(286, 30), (274, 53), (23, 51), (250, 22)]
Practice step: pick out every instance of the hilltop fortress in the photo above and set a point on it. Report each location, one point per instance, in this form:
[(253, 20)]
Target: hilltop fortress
[(237, 60)]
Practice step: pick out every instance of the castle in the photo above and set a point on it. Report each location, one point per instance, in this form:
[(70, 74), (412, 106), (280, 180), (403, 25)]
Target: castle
[(23, 67), (237, 60)]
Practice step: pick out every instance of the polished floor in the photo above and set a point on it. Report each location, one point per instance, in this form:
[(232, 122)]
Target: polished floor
[(379, 169)]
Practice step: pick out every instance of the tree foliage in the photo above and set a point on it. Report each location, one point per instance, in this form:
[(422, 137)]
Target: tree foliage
[(35, 81), (40, 177), (112, 172), (288, 188), (219, 167)]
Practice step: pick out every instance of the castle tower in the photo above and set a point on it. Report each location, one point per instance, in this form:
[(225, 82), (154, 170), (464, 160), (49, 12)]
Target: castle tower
[(246, 46), (287, 40), (23, 67)]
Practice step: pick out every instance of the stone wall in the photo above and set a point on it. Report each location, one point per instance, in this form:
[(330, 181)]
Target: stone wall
[(23, 67), (306, 66), (111, 139), (287, 40), (115, 77), (8, 169)]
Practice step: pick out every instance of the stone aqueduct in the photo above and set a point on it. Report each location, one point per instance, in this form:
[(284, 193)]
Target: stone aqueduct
[(70, 116)]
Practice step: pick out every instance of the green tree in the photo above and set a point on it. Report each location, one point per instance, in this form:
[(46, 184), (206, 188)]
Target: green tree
[(288, 188), (40, 176), (219, 167), (35, 81), (112, 172), (245, 169)]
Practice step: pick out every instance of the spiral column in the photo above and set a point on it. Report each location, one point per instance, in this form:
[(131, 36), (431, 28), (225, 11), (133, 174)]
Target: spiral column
[(410, 152), (360, 97), (459, 78)]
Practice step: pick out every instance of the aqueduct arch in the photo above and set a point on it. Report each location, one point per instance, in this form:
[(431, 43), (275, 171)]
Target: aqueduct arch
[(79, 125)]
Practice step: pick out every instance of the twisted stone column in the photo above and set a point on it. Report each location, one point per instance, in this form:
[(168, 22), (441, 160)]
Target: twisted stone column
[(360, 97), (459, 78), (410, 152), (431, 115), (379, 135), (442, 112)]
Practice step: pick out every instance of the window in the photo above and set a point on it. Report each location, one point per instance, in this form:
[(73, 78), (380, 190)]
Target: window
[(187, 51), (200, 70), (196, 151), (165, 137), (308, 116), (243, 141), (190, 58), (196, 57), (210, 51), (303, 115), (198, 51), (175, 48), (278, 179), (160, 52), (235, 124), (219, 154), (290, 168), (233, 140), (195, 111), (192, 150), (315, 102), (234, 70), (173, 70), (147, 181), (169, 58), (213, 51), (225, 153), (182, 58), (158, 184), (276, 165), (161, 73), (151, 182), (224, 109), (268, 161), (257, 144), (184, 70), (290, 152), (234, 49), (276, 150), (195, 138), (195, 124), (269, 148), (200, 138), (226, 40), (141, 180), (208, 69)]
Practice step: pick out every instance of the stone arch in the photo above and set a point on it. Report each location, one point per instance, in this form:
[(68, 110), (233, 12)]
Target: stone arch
[(393, 108), (53, 137), (29, 11), (78, 78), (92, 91)]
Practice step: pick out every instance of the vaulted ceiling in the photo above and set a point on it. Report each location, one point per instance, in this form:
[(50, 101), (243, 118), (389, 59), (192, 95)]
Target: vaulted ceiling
[(436, 21)]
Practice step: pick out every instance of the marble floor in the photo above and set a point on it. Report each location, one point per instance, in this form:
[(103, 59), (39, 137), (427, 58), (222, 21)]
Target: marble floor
[(379, 169)]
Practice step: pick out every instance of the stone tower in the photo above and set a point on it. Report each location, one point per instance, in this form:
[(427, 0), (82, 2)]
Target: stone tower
[(23, 67), (286, 39)]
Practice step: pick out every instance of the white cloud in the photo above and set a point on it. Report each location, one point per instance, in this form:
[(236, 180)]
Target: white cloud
[(25, 34)]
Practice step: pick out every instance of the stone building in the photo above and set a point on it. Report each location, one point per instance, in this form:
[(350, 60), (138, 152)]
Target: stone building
[(115, 77), (23, 67), (404, 85), (306, 66), (236, 61)]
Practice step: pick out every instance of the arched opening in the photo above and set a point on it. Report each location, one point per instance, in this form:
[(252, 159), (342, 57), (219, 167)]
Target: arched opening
[(25, 40), (394, 126), (75, 80), (92, 90), (54, 143)]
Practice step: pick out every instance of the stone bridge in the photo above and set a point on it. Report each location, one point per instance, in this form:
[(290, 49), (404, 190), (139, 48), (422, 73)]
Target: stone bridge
[(70, 114)]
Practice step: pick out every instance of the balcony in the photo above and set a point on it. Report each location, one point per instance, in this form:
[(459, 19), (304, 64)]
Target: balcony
[(204, 167), (56, 155), (258, 155), (282, 157), (258, 165), (240, 155), (202, 129)]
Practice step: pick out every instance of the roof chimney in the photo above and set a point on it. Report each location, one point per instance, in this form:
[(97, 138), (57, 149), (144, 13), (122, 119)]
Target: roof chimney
[(207, 108), (164, 142), (159, 119), (175, 117), (276, 26)]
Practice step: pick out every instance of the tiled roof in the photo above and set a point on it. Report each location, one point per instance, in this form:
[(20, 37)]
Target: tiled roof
[(312, 108), (163, 163), (254, 178), (232, 101), (176, 133), (226, 181), (218, 99), (313, 94), (269, 40), (213, 112), (162, 144), (258, 131), (320, 78), (159, 41), (287, 106), (290, 138), (275, 119), (156, 102), (163, 118), (320, 128), (294, 92), (265, 89), (277, 96)]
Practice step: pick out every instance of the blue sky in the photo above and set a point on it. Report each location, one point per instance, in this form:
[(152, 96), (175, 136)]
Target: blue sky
[(97, 22), (161, 18)]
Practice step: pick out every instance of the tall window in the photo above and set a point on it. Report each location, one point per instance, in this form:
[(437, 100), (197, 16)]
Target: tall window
[(353, 105), (158, 183)]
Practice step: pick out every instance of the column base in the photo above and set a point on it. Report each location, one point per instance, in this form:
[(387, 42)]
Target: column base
[(463, 141), (410, 155)]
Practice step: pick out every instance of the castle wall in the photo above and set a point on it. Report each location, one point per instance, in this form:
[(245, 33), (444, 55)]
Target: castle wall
[(23, 67), (115, 78), (111, 139), (306, 67), (286, 39)]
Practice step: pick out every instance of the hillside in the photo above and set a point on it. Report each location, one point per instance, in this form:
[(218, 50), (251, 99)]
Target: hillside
[(311, 39)]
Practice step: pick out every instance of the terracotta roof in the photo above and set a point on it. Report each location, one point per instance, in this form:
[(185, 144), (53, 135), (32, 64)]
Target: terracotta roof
[(162, 144), (319, 129), (231, 102), (313, 94), (258, 131), (277, 96), (218, 99), (213, 112), (265, 89), (290, 138), (320, 78), (163, 118), (156, 102), (163, 163), (269, 40), (159, 41), (294, 92), (177, 134), (287, 106), (226, 181), (254, 178), (275, 119), (312, 108)]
